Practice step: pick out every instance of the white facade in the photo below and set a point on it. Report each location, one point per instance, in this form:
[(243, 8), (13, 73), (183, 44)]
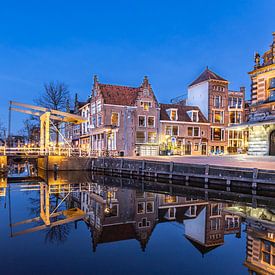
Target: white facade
[(198, 96)]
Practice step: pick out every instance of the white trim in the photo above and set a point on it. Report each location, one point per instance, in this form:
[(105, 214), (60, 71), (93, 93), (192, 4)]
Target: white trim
[(184, 122), (113, 105)]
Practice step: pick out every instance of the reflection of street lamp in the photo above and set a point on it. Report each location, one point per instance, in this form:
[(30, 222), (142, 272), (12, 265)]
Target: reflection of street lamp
[(108, 206)]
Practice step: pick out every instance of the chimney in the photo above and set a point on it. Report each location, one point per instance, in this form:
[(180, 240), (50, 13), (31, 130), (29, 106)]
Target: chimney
[(95, 79), (242, 90), (257, 60)]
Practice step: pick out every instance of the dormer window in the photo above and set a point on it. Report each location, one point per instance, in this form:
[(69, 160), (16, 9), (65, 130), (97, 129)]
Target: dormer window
[(173, 114), (194, 115)]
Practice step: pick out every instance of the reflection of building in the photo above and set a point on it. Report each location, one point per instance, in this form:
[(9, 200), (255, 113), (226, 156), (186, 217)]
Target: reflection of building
[(183, 130), (122, 214), (3, 187), (116, 215), (206, 230), (260, 245)]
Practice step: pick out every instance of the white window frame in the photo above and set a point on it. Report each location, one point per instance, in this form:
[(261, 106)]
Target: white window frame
[(154, 125), (144, 121)]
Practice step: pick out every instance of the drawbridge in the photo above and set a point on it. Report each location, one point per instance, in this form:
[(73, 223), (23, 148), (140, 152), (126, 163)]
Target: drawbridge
[(48, 119)]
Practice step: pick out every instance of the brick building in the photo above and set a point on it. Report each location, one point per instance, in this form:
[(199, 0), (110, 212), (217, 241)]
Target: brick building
[(261, 114), (221, 107), (184, 130), (122, 120)]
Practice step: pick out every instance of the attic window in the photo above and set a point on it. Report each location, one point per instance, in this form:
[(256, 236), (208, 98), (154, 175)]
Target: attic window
[(173, 114), (194, 115), (146, 105), (145, 92)]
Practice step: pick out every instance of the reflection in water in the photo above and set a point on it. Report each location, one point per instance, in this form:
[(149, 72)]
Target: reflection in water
[(114, 212)]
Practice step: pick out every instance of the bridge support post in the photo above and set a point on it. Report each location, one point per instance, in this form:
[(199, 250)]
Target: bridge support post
[(44, 132)]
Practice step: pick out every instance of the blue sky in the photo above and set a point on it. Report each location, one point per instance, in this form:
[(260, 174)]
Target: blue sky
[(121, 41)]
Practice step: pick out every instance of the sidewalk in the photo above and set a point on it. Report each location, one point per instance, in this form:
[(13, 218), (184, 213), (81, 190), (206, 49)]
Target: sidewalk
[(244, 161)]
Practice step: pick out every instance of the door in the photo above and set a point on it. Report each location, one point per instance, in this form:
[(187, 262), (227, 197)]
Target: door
[(272, 144), (203, 149)]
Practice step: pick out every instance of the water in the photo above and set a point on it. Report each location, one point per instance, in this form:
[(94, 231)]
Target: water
[(123, 230)]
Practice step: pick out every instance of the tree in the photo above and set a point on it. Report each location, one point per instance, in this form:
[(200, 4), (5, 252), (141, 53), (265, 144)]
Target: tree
[(2, 131), (55, 96)]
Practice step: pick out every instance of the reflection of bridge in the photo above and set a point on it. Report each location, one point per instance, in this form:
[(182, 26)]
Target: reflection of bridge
[(29, 152)]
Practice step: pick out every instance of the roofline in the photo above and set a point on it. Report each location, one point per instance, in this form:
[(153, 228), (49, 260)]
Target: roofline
[(262, 69), (217, 80)]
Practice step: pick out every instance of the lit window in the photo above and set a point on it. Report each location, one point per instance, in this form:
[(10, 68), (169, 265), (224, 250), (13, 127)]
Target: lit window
[(140, 137), (152, 137), (114, 119), (196, 147), (218, 116), (146, 105), (151, 121), (174, 115)]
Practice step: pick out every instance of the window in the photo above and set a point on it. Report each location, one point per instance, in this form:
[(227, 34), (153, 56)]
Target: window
[(195, 116), (173, 115), (192, 211), (93, 122), (193, 131), (140, 137), (152, 137), (142, 121), (98, 106), (93, 108), (170, 199), (215, 224), (196, 147), (217, 101), (151, 121), (217, 134), (99, 120), (146, 105), (240, 102), (268, 252), (114, 119), (218, 116), (140, 208), (216, 209), (149, 207), (172, 130)]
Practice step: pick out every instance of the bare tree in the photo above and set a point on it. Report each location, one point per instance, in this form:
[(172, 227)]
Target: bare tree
[(55, 96), (2, 131)]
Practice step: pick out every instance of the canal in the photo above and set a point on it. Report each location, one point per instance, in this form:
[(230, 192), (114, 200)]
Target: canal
[(84, 223)]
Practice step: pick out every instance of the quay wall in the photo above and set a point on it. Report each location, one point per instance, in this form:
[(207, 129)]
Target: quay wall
[(246, 177)]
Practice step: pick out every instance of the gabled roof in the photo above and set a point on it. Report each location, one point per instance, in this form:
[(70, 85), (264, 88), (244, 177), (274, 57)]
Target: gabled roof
[(119, 95), (207, 75), (182, 112), (203, 249)]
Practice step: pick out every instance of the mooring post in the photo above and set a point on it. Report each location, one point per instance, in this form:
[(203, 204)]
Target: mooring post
[(171, 168), (255, 176), (142, 167), (206, 173)]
